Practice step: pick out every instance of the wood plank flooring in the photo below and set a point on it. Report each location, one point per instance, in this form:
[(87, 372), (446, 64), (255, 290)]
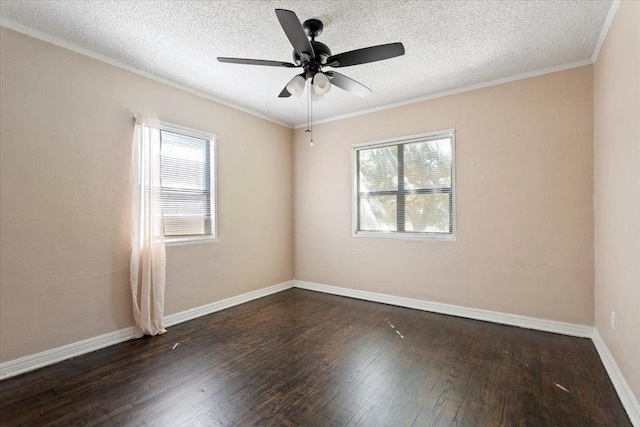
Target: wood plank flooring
[(305, 358)]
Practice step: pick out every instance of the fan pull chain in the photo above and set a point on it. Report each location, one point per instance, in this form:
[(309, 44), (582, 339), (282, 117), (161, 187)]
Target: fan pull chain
[(311, 119), (309, 113)]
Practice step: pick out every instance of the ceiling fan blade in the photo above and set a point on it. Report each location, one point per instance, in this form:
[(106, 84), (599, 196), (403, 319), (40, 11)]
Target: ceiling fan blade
[(365, 55), (294, 31), (348, 84), (245, 61), (284, 94)]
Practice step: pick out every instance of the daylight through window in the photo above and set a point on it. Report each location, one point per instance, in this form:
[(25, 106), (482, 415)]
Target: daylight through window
[(405, 187), (188, 178)]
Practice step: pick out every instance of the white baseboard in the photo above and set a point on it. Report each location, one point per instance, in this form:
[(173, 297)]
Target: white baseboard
[(55, 355), (625, 394), (203, 310), (49, 357), (571, 329)]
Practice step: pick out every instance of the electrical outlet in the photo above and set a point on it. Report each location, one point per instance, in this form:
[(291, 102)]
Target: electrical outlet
[(613, 319)]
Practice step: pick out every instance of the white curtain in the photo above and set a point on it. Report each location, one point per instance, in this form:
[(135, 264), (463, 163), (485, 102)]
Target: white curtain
[(148, 259)]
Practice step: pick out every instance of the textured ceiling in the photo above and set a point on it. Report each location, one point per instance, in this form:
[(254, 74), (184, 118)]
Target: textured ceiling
[(449, 44)]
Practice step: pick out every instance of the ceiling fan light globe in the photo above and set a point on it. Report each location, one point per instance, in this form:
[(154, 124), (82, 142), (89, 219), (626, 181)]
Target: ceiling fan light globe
[(316, 97), (296, 86), (321, 84)]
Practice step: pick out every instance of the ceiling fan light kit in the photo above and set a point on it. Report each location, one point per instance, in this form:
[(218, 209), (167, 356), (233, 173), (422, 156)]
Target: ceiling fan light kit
[(321, 84), (312, 56), (296, 86)]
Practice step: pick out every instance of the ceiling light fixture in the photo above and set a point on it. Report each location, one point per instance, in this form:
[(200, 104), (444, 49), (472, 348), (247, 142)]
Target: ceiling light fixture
[(321, 84), (312, 56), (296, 85)]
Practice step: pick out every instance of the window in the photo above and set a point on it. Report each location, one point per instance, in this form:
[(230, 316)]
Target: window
[(188, 184), (404, 187)]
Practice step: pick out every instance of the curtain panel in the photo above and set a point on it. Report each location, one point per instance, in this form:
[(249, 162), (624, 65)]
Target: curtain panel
[(148, 257)]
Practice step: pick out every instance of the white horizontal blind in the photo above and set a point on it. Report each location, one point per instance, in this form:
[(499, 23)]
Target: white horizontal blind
[(187, 196), (406, 186), (378, 188)]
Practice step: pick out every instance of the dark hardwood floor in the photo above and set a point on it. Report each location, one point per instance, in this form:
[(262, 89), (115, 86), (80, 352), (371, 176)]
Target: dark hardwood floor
[(305, 358)]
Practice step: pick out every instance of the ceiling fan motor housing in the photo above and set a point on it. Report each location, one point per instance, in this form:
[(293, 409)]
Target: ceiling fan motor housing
[(321, 51)]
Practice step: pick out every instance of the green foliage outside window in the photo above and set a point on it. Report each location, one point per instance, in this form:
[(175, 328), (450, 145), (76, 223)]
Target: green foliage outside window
[(406, 187)]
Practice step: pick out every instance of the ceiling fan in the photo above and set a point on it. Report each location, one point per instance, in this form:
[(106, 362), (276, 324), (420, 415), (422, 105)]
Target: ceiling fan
[(312, 56)]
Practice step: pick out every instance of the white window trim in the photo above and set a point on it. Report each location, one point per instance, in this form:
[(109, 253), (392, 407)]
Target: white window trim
[(449, 133), (181, 241), (213, 141)]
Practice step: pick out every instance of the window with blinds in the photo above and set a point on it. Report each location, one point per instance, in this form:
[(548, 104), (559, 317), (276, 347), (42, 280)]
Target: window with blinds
[(405, 187), (187, 181)]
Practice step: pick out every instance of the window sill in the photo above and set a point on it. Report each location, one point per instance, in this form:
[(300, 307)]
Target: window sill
[(179, 241), (405, 236)]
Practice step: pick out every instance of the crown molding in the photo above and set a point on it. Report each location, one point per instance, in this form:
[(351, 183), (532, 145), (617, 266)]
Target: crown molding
[(102, 58), (605, 29), (509, 79), (53, 40)]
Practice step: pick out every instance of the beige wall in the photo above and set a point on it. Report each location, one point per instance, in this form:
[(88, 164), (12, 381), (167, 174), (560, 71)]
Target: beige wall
[(524, 202), (524, 199), (66, 129), (617, 191)]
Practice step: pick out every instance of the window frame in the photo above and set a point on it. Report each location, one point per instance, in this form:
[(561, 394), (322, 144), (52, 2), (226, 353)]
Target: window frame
[(212, 139), (403, 235)]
